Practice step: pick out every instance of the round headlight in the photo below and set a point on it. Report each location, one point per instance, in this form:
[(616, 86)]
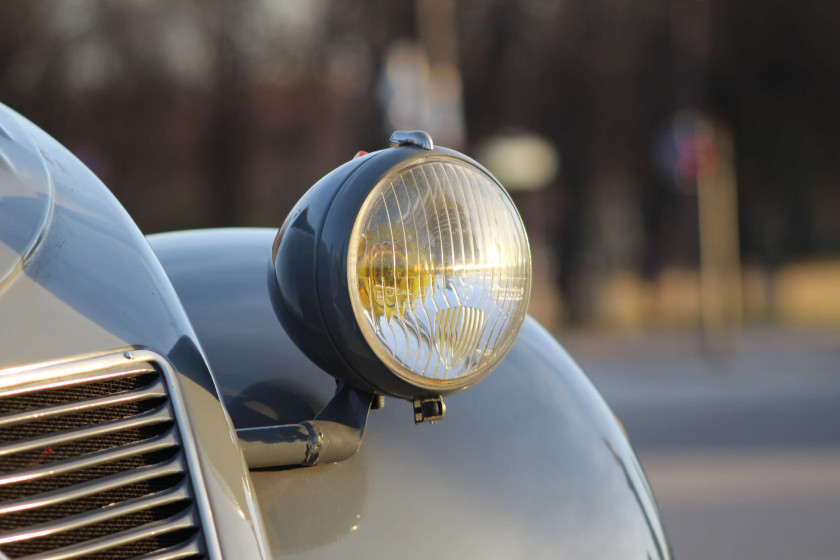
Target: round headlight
[(439, 272), (406, 272)]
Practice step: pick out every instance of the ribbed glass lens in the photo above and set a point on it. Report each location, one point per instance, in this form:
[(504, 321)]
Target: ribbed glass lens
[(439, 272)]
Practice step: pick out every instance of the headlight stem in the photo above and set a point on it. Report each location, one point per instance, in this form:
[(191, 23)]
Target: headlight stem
[(335, 434)]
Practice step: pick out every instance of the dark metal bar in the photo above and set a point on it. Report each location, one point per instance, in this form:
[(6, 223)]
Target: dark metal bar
[(335, 434)]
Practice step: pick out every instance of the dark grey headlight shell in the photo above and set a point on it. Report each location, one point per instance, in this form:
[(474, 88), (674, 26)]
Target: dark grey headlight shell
[(405, 272)]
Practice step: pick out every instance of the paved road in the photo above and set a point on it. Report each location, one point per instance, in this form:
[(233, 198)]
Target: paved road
[(742, 449)]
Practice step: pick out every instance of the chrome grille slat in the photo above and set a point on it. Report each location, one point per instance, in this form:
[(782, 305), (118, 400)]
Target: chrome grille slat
[(183, 521), (177, 493), (92, 462), (189, 549), (158, 416), (39, 380), (152, 391), (159, 443), (172, 466)]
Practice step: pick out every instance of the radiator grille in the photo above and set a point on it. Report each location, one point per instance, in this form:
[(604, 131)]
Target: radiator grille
[(91, 466)]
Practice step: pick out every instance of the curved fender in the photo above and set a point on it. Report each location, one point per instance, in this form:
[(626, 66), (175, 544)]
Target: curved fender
[(77, 281), (529, 463)]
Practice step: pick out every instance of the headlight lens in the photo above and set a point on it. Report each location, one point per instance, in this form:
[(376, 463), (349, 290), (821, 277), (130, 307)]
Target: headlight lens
[(439, 272)]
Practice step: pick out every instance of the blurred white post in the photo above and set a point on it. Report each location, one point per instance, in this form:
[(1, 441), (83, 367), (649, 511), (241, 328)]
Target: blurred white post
[(720, 266), (438, 37)]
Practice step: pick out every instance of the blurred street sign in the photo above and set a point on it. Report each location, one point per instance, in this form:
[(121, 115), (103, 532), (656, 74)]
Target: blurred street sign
[(687, 151)]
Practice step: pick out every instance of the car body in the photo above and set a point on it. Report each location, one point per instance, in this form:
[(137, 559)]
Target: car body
[(528, 463)]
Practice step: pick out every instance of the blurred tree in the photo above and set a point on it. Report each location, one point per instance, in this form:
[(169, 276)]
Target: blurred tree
[(225, 111)]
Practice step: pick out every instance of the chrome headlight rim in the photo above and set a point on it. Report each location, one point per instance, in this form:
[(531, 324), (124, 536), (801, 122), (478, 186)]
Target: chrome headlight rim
[(483, 189)]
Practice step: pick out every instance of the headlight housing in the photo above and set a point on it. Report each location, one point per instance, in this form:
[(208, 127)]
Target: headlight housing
[(405, 272)]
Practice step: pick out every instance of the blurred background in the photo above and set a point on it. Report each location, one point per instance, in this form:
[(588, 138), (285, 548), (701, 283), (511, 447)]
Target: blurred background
[(675, 162)]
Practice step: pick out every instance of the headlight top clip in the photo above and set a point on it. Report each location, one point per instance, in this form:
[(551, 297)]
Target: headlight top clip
[(419, 138)]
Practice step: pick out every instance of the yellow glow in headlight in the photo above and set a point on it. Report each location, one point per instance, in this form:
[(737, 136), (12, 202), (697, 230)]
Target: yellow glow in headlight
[(439, 272)]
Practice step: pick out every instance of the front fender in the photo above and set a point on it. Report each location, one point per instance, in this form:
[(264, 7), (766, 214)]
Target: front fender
[(81, 293), (529, 463)]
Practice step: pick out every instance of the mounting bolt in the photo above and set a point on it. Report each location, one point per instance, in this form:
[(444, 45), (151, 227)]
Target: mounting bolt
[(429, 409)]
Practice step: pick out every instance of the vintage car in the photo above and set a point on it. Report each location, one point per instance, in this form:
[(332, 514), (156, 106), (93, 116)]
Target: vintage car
[(203, 394)]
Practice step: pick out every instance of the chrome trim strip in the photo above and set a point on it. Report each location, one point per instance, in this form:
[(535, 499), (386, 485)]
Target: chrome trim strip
[(159, 415), (169, 467), (159, 443), (184, 520), (176, 395), (151, 391), (177, 493)]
